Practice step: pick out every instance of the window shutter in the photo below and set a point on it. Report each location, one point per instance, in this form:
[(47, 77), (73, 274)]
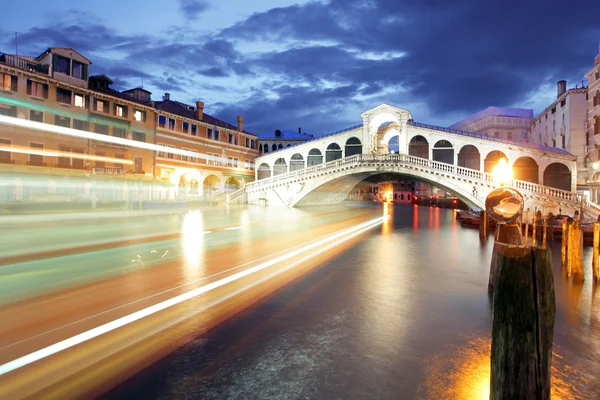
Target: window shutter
[(28, 87), (13, 83)]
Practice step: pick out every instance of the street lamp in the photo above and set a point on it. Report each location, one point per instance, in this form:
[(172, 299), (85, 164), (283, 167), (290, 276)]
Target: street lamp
[(502, 172)]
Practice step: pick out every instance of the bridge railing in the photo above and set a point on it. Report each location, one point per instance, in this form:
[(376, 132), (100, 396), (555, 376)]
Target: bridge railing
[(476, 175)]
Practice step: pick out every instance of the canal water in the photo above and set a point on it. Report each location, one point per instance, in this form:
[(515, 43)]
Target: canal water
[(404, 314)]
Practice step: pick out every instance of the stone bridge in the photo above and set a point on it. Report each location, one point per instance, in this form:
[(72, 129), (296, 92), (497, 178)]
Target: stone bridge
[(325, 170)]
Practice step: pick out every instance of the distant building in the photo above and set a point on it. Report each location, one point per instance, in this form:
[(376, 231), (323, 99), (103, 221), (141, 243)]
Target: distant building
[(593, 128), (499, 122), (563, 125), (269, 142)]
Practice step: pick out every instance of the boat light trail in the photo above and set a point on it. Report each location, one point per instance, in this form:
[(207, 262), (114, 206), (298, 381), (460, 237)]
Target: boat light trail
[(128, 319), (65, 154)]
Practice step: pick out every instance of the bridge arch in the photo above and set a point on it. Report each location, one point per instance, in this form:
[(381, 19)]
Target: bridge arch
[(296, 162), (263, 171), (418, 146), (557, 175), (491, 160), (280, 167), (443, 151), (333, 152), (526, 169), (353, 147), (469, 157), (315, 157)]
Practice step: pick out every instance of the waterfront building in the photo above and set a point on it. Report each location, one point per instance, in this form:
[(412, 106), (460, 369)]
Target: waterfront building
[(273, 141), (505, 123), (563, 125), (593, 129), (55, 89)]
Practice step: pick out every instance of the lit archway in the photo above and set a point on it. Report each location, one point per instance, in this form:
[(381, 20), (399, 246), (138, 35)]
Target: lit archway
[(280, 167), (469, 157), (334, 152), (353, 147), (394, 144), (296, 162), (264, 171), (443, 151), (231, 184), (558, 176), (491, 160), (526, 169), (315, 157), (211, 184), (418, 147)]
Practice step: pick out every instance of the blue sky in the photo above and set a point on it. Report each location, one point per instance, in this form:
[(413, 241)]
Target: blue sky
[(285, 64)]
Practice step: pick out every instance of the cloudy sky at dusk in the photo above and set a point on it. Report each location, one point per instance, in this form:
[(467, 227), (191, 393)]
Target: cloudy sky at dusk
[(319, 64)]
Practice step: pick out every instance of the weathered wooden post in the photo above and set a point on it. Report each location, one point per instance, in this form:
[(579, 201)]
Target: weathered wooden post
[(575, 252), (565, 243), (550, 219), (524, 310), (483, 224), (544, 234), (595, 271), (526, 228), (506, 235), (534, 232)]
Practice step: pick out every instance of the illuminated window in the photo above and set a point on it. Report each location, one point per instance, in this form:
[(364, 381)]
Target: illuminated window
[(236, 162), (8, 82), (101, 105), (79, 100), (120, 111), (230, 161), (139, 116)]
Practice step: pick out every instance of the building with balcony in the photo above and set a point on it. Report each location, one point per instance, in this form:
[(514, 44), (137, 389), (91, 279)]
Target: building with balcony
[(563, 124), (500, 122), (593, 129), (273, 141)]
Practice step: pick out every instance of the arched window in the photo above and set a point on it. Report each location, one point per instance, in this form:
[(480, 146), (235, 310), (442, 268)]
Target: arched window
[(334, 152), (353, 147), (315, 157), (274, 147)]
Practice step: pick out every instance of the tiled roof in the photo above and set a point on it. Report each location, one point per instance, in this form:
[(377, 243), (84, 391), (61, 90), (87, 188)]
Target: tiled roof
[(291, 135), (183, 110), (116, 93)]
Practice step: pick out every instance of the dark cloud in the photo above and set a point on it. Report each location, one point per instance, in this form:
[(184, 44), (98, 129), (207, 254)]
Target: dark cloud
[(193, 8)]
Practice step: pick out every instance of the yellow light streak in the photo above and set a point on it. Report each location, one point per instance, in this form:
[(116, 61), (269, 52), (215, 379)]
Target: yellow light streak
[(66, 154)]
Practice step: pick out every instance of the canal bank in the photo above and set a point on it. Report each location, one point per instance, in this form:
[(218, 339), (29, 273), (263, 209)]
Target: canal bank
[(403, 314)]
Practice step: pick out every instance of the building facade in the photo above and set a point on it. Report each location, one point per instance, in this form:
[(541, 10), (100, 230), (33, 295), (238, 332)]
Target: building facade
[(505, 123), (593, 129), (124, 163), (278, 140), (563, 125)]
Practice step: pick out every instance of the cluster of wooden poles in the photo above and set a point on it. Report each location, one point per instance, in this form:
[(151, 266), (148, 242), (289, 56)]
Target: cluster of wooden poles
[(542, 232)]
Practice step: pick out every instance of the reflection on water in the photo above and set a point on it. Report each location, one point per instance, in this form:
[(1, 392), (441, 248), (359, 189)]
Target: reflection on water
[(411, 310)]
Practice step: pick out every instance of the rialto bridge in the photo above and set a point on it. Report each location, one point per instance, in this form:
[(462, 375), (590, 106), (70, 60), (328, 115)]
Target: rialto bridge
[(325, 170)]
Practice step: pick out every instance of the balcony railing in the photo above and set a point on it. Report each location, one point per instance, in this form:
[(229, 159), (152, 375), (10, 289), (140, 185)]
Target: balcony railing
[(25, 64)]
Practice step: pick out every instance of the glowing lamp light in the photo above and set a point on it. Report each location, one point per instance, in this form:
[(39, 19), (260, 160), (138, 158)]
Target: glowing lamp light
[(595, 165), (502, 172)]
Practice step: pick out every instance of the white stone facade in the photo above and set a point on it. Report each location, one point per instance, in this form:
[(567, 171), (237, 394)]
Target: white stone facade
[(499, 122)]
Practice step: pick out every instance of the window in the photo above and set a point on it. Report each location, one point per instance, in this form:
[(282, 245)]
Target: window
[(63, 96), (209, 133), (138, 165), (184, 157), (139, 136), (120, 156), (37, 89), (236, 162), (596, 125), (194, 130), (79, 100), (216, 135), (63, 65), (161, 153), (36, 116), (185, 127), (230, 161), (59, 120), (553, 142), (231, 138), (78, 70), (195, 158), (119, 132), (209, 159), (101, 106), (81, 125), (553, 126), (172, 124), (64, 161), (563, 102), (597, 75), (509, 135), (139, 115), (564, 142), (553, 109), (162, 121), (247, 142), (100, 164), (5, 155), (101, 129), (8, 82), (120, 111), (36, 159), (171, 155), (252, 144)]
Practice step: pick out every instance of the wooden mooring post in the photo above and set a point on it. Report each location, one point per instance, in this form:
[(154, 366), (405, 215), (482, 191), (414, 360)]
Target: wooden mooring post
[(526, 236), (534, 232), (575, 251), (483, 224), (524, 311), (595, 268), (505, 235), (564, 244), (550, 223)]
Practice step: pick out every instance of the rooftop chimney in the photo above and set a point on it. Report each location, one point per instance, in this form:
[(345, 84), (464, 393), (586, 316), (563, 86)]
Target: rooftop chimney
[(167, 96), (561, 88), (199, 110), (240, 120), (299, 129)]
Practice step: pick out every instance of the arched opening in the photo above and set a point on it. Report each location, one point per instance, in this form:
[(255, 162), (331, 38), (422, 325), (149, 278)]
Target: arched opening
[(188, 185), (279, 147), (264, 171), (491, 160), (558, 176), (469, 157), (526, 169), (418, 147), (231, 184), (394, 144), (315, 157), (353, 147), (210, 186), (266, 148), (274, 147), (280, 167), (297, 162), (443, 152), (334, 152)]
